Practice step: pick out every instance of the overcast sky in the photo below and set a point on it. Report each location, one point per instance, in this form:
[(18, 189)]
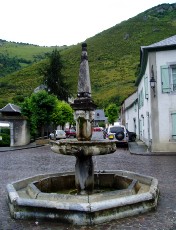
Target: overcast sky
[(65, 22)]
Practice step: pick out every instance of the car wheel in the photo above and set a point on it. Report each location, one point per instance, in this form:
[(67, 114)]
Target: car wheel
[(119, 136), (133, 138)]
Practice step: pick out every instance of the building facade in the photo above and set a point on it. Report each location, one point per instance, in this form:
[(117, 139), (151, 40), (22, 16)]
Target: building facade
[(129, 113), (156, 95)]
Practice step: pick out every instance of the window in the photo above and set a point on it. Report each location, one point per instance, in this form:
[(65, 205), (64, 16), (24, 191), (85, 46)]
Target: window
[(173, 116), (116, 129), (168, 78), (135, 106), (141, 99), (140, 128), (146, 86), (173, 78)]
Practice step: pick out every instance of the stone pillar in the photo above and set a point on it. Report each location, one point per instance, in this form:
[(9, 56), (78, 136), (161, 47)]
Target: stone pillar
[(84, 87), (84, 115), (84, 175), (11, 134), (83, 105)]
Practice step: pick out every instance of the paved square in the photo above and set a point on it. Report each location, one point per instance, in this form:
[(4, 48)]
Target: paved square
[(19, 164)]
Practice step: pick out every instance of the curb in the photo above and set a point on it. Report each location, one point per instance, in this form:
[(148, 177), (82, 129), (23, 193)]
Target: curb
[(143, 152), (7, 149)]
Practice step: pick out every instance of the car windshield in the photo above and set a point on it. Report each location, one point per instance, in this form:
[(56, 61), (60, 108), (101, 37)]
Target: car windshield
[(60, 132), (116, 129)]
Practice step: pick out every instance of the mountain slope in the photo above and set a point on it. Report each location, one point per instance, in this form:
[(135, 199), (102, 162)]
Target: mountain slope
[(114, 53), (15, 55), (113, 57)]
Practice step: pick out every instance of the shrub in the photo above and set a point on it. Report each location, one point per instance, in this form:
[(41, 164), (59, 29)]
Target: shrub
[(5, 136)]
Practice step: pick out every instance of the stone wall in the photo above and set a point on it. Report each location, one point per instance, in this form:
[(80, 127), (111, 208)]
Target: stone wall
[(19, 130)]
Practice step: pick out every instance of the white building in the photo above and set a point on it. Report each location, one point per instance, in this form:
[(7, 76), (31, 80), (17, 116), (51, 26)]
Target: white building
[(156, 93), (129, 113)]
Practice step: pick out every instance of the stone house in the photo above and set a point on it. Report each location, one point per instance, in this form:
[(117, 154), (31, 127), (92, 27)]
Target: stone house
[(99, 117), (19, 130), (155, 117)]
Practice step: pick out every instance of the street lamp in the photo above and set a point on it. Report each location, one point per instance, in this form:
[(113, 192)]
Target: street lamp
[(152, 81)]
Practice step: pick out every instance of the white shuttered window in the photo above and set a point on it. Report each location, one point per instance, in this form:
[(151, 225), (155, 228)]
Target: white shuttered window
[(168, 78), (173, 116)]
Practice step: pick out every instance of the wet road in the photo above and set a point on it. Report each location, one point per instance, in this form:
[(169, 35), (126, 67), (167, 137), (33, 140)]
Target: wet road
[(20, 164)]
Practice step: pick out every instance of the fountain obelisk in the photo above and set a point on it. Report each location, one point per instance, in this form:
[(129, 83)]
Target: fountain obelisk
[(83, 105)]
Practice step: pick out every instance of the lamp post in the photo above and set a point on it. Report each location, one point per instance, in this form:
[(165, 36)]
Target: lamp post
[(152, 81)]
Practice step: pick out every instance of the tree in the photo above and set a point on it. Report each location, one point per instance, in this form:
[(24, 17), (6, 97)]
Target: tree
[(39, 108), (62, 114), (112, 113), (53, 77)]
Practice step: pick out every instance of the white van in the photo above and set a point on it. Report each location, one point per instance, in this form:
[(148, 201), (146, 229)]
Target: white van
[(119, 133)]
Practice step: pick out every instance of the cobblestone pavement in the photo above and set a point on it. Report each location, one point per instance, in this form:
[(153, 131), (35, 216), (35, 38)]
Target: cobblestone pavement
[(20, 164)]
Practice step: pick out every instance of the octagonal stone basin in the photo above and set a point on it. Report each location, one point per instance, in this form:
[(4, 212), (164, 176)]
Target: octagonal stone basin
[(117, 194)]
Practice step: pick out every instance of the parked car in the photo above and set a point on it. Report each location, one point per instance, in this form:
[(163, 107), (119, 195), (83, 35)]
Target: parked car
[(97, 129), (131, 136), (118, 133), (58, 134), (70, 132)]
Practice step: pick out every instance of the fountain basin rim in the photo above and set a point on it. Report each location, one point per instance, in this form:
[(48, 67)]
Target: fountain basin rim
[(76, 142), (80, 206), (77, 148), (84, 206), (81, 211)]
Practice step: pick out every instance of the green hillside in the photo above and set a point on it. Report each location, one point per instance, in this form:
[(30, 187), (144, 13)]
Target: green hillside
[(15, 55), (113, 58)]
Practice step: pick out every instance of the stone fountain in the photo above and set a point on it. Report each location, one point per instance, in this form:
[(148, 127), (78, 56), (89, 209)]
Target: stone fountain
[(84, 148), (83, 197)]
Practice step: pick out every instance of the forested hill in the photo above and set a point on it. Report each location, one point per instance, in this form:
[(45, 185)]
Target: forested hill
[(17, 55), (113, 58)]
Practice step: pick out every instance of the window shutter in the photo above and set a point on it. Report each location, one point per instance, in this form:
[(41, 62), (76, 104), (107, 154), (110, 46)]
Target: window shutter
[(165, 81), (146, 86), (142, 98), (173, 125)]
